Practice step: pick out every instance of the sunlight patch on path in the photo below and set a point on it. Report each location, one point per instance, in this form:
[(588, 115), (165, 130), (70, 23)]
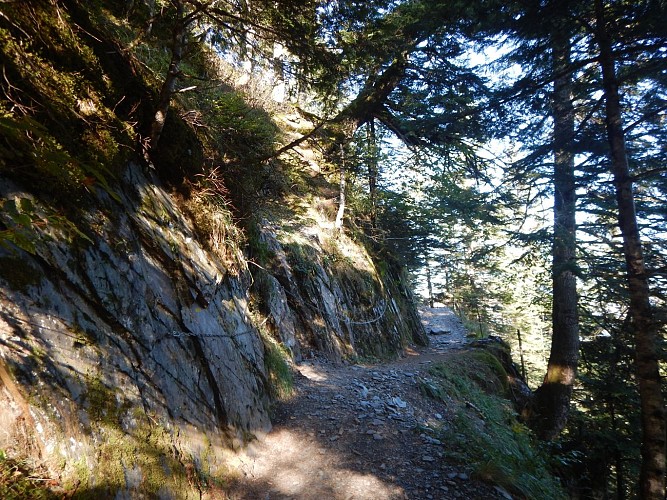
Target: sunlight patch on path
[(312, 373), (444, 327), (293, 465)]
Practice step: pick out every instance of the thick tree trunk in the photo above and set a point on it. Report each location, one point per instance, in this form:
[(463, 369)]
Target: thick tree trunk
[(652, 478), (552, 399), (179, 37)]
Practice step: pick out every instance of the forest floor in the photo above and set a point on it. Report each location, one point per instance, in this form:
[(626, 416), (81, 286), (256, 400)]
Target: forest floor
[(362, 432)]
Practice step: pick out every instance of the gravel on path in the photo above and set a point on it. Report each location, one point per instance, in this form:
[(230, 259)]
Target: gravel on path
[(362, 432)]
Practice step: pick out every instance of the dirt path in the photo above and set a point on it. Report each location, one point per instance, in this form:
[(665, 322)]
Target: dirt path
[(361, 432)]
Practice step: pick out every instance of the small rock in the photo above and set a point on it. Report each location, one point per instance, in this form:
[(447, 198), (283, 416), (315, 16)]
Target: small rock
[(376, 421), (364, 390), (464, 476), (503, 492), (438, 416), (377, 437), (398, 402), (428, 458), (430, 440)]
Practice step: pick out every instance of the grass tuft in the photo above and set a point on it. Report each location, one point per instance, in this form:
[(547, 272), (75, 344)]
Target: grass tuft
[(276, 362), (19, 480)]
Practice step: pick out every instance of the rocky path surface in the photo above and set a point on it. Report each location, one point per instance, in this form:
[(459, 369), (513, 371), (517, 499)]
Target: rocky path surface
[(361, 432)]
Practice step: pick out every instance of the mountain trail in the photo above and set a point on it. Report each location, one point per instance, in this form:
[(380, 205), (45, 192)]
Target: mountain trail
[(361, 432)]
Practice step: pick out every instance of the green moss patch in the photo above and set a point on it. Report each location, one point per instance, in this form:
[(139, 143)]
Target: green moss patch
[(276, 362)]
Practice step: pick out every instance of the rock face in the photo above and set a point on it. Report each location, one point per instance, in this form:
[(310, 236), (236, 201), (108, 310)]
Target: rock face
[(141, 329), (331, 299), (131, 360)]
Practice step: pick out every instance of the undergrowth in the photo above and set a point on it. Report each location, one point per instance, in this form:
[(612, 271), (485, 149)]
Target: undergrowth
[(19, 480), (484, 433), (58, 131), (278, 369)]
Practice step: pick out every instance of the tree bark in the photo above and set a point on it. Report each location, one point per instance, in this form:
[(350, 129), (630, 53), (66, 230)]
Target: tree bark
[(523, 363), (429, 285), (552, 399), (341, 200), (372, 171), (178, 41), (645, 329)]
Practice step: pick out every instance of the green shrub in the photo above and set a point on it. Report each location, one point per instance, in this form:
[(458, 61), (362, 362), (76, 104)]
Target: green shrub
[(240, 130)]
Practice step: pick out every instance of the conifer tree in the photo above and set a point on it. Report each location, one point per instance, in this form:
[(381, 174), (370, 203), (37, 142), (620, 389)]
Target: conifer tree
[(652, 480)]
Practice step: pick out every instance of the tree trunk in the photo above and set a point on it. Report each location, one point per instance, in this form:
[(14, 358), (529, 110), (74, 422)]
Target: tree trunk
[(372, 171), (523, 363), (552, 399), (645, 329), (429, 285), (341, 200), (179, 38)]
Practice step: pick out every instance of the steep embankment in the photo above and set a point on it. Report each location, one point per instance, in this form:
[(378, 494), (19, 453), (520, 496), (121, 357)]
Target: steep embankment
[(136, 345), (118, 347)]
